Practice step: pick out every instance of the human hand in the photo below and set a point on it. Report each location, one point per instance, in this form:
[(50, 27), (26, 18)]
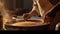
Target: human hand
[(27, 16)]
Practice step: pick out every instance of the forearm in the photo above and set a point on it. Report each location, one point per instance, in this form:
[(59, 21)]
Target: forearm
[(34, 13)]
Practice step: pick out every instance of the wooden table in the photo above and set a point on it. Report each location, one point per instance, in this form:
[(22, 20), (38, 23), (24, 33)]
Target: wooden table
[(44, 26)]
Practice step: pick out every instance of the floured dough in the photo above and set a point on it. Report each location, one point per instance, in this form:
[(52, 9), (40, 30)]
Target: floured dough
[(27, 23)]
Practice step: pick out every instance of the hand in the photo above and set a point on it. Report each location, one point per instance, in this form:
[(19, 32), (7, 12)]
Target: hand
[(27, 16)]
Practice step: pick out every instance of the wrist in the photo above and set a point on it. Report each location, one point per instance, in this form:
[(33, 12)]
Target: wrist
[(34, 13)]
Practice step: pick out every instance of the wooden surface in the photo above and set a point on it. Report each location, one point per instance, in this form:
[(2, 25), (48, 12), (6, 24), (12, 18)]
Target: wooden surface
[(38, 25), (30, 27), (45, 27)]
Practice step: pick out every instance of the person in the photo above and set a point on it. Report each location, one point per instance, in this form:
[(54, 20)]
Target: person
[(36, 10), (43, 8)]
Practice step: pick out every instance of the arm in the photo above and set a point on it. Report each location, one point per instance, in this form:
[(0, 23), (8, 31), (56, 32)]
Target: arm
[(34, 12)]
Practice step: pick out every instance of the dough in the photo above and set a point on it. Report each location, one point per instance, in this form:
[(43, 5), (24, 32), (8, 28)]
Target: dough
[(26, 23)]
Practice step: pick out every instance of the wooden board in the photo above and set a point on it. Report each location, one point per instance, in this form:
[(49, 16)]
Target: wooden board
[(28, 23)]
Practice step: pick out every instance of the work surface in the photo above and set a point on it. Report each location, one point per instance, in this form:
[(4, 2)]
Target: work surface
[(33, 23)]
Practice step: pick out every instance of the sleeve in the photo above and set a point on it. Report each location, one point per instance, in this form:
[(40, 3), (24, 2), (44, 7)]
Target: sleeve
[(35, 7)]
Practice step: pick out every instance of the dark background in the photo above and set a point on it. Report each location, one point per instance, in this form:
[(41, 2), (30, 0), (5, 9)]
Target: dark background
[(20, 4)]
